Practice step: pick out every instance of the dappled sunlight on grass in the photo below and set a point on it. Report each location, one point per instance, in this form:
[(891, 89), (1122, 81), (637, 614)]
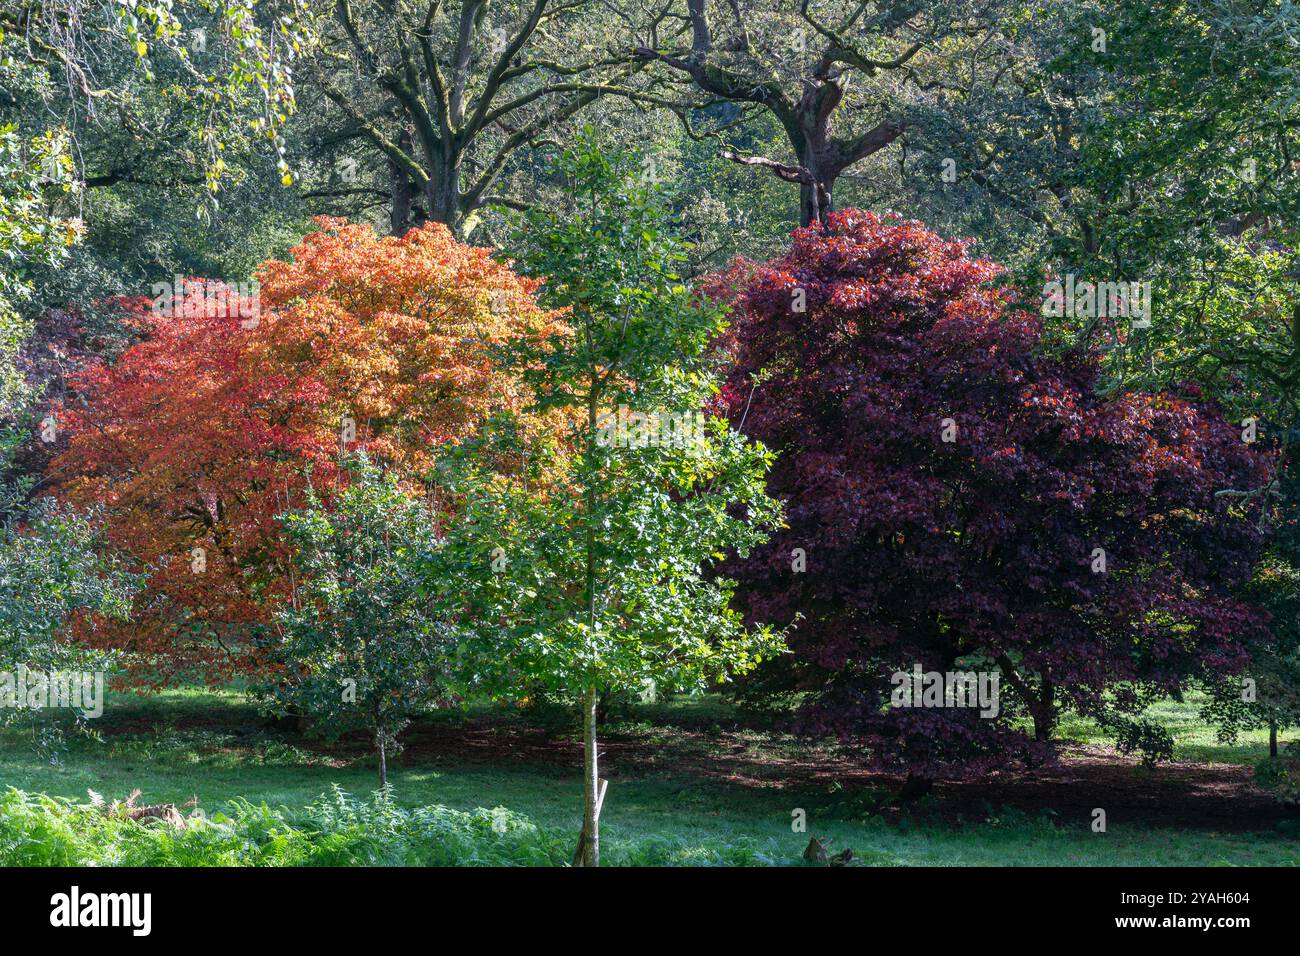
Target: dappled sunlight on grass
[(674, 809)]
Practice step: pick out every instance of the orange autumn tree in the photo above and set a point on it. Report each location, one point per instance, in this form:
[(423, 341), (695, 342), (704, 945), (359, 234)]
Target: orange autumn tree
[(212, 425)]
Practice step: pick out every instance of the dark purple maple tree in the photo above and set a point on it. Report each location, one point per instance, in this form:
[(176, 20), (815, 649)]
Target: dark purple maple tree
[(952, 488)]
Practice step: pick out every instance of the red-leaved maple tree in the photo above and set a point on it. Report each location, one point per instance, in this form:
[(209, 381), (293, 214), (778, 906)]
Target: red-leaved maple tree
[(959, 501), (212, 424)]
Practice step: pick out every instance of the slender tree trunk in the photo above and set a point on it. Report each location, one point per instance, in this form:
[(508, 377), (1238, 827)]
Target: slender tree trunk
[(382, 749), (589, 842), (1272, 739), (914, 788), (292, 721), (590, 784)]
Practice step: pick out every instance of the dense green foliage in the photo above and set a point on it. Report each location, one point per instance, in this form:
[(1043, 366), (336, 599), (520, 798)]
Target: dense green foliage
[(573, 445), (336, 830), (51, 567), (599, 579), (358, 647)]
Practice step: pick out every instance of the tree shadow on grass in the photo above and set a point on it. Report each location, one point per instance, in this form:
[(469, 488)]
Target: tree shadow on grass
[(747, 762)]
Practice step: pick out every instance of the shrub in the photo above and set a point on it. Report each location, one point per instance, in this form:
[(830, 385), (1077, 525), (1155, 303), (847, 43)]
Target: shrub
[(336, 830), (1281, 775)]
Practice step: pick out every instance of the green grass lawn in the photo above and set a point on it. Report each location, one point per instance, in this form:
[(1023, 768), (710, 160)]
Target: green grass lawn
[(181, 744), (1194, 740)]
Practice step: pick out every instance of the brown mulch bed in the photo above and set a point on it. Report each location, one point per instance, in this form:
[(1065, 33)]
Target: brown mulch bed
[(1182, 794)]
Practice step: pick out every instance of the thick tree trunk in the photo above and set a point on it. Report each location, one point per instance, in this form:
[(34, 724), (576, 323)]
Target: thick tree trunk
[(814, 201), (404, 215), (1043, 727), (442, 197)]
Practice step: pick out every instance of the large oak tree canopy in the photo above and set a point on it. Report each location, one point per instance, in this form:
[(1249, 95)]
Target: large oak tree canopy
[(449, 92), (837, 77)]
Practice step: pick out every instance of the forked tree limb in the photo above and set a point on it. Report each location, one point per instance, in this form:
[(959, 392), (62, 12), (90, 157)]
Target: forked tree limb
[(791, 174)]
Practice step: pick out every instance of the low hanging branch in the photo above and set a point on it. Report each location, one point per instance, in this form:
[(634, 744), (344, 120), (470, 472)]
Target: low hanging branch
[(791, 174)]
